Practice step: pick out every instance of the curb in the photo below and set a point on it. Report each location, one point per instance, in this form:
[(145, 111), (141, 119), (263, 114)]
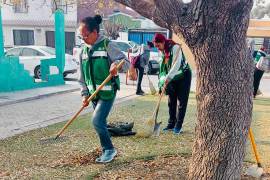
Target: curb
[(62, 118), (38, 97)]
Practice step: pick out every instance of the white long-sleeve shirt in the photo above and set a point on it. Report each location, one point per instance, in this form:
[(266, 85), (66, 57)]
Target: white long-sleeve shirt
[(175, 67)]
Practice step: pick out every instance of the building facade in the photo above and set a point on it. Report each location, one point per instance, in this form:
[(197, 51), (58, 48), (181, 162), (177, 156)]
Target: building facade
[(32, 23), (259, 31)]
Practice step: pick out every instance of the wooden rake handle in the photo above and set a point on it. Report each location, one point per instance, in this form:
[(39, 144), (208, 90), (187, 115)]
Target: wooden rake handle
[(89, 99)]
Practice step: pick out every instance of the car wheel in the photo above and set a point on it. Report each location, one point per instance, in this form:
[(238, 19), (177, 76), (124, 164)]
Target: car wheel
[(65, 74), (37, 72)]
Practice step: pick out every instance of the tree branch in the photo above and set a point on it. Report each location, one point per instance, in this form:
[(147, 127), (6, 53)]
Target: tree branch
[(145, 8), (168, 14)]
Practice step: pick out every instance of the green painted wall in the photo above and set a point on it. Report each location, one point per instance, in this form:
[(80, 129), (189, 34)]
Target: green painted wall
[(60, 40), (1, 35), (13, 76), (126, 21)]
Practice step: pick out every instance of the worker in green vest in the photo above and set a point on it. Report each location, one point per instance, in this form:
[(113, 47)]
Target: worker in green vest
[(176, 74), (98, 59), (258, 73)]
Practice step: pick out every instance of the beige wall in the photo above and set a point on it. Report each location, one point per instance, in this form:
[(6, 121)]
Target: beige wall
[(188, 54), (257, 28)]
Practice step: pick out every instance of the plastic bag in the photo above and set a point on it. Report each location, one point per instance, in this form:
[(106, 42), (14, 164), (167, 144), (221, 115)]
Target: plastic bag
[(121, 129)]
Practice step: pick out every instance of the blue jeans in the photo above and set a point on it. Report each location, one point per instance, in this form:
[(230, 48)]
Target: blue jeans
[(101, 111)]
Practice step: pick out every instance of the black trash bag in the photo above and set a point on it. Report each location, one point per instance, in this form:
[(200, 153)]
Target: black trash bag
[(120, 129)]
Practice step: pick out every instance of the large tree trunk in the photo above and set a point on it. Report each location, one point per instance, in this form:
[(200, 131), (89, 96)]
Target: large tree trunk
[(224, 99), (215, 31)]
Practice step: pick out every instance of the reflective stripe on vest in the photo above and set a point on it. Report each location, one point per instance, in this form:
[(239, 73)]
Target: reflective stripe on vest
[(99, 54)]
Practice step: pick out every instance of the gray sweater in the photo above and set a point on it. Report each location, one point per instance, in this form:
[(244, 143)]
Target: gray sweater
[(145, 56), (114, 56)]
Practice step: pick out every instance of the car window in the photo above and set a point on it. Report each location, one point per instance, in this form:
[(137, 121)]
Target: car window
[(122, 46), (48, 50), (13, 52), (134, 45), (31, 52)]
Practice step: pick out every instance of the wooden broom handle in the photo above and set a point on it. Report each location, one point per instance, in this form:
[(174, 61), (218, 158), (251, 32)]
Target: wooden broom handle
[(164, 87), (158, 103)]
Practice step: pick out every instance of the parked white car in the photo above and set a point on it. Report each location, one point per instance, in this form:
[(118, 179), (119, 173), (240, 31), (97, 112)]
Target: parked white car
[(124, 46), (153, 66), (30, 56)]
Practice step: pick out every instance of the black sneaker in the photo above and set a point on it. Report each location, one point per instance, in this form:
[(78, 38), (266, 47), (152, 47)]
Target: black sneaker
[(166, 129), (141, 93)]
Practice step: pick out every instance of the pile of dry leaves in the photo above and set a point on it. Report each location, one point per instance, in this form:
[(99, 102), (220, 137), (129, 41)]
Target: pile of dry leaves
[(165, 167), (77, 159)]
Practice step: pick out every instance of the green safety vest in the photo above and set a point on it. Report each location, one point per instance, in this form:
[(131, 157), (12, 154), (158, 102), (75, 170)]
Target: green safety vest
[(257, 57), (96, 67), (165, 68)]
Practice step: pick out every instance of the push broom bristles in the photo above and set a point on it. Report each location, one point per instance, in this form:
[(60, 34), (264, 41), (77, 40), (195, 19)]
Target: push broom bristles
[(151, 86), (147, 129)]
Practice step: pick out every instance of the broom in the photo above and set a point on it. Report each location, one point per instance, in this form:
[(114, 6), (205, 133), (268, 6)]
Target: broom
[(151, 86), (152, 127)]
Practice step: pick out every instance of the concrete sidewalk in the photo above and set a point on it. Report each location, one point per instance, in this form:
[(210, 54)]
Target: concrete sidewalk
[(21, 111), (27, 110), (28, 95), (72, 86), (10, 98)]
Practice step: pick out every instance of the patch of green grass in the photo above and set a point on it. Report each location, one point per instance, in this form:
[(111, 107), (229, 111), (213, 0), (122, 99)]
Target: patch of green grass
[(24, 156), (260, 127)]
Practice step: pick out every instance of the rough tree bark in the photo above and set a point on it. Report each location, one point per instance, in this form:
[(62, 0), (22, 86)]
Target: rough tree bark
[(215, 31)]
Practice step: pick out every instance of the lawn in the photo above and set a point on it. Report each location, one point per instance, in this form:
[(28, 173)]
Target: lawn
[(163, 157)]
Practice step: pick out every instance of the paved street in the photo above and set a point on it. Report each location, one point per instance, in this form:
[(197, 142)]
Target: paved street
[(45, 110), (20, 115)]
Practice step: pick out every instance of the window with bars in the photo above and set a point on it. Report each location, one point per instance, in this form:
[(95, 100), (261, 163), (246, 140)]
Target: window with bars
[(21, 6), (23, 37)]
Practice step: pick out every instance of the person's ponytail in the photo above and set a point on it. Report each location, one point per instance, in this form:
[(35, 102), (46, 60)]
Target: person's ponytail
[(98, 19), (92, 23)]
